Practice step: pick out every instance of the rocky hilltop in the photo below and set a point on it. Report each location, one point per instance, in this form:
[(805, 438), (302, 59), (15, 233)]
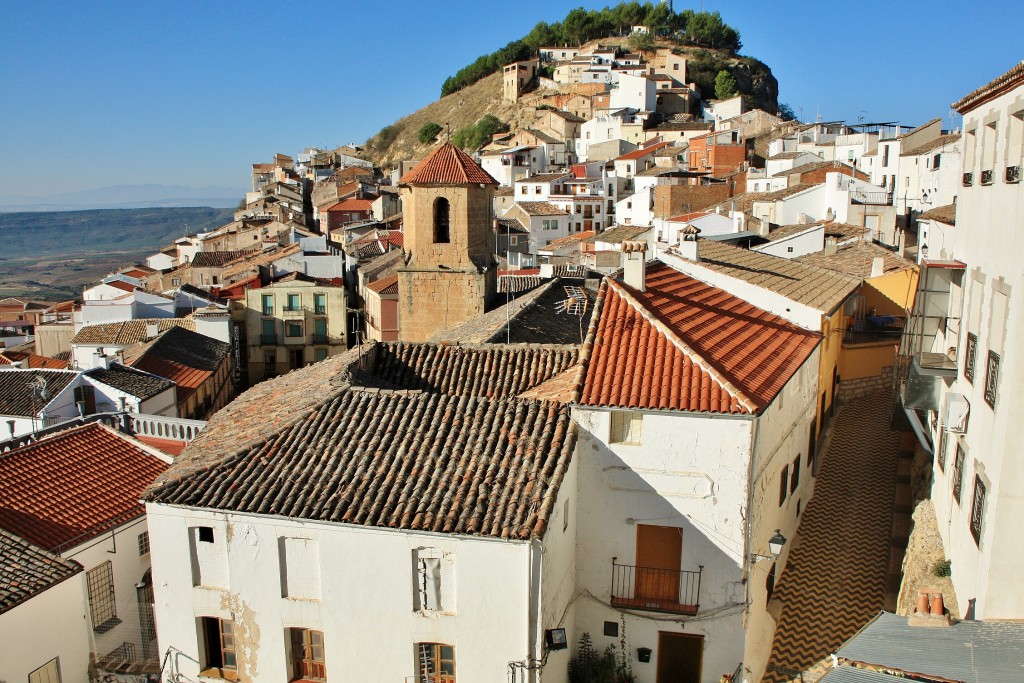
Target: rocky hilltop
[(465, 107)]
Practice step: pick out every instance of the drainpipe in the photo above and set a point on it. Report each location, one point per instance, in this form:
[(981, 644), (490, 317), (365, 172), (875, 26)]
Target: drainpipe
[(534, 612), (747, 549)]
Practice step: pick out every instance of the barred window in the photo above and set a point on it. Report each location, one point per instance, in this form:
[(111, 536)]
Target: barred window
[(144, 543), (969, 355), (958, 472), (102, 608), (940, 454), (991, 378), (783, 485), (978, 508)]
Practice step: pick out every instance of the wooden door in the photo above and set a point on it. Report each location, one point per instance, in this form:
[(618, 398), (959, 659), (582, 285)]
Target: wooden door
[(680, 657), (659, 551)]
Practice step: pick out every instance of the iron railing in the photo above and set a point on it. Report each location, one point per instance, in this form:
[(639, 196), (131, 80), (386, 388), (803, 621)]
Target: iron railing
[(656, 590)]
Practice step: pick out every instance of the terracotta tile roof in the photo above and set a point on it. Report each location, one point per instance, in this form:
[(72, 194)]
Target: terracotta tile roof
[(618, 234), (74, 485), (250, 263), (545, 177), (128, 331), (993, 89), (517, 284), (121, 284), (937, 143), (856, 259), (844, 232), (32, 360), (819, 288), (943, 214), (504, 191), (511, 226), (131, 381), (787, 155), (937, 119), (216, 259), (447, 165), (27, 570), (685, 345), (386, 285), (642, 152), (541, 209), (785, 231), (352, 204), (817, 166), (568, 240), (741, 202), (786, 192), (16, 390), (441, 443)]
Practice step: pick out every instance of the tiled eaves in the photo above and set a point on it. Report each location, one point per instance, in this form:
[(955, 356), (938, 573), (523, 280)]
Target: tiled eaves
[(747, 404), (27, 570), (400, 459)]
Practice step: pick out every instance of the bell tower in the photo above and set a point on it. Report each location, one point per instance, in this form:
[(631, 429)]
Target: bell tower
[(450, 273)]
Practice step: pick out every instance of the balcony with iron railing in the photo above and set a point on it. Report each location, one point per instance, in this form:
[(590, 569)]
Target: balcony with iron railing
[(292, 312), (656, 590), (268, 339), (872, 198)]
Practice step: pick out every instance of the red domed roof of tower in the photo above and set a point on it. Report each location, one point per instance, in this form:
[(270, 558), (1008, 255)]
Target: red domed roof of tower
[(447, 165)]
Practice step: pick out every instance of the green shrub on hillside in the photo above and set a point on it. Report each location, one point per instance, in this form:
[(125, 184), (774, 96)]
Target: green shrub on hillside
[(428, 133), (477, 135)]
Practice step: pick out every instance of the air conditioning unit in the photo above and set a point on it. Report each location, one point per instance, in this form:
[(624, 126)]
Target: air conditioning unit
[(1013, 174), (956, 413)]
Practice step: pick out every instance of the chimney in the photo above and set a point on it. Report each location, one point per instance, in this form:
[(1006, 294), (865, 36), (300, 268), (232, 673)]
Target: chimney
[(152, 329), (877, 266), (930, 611), (635, 270), (688, 247), (100, 361), (831, 246)]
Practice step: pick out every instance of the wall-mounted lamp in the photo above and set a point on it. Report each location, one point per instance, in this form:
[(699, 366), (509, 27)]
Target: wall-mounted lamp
[(556, 639), (775, 544), (924, 251)]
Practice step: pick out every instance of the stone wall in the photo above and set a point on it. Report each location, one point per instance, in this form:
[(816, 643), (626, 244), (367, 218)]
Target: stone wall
[(856, 388), (673, 200), (432, 301)]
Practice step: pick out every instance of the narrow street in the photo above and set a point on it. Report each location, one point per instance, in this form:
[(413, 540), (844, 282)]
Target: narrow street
[(845, 561)]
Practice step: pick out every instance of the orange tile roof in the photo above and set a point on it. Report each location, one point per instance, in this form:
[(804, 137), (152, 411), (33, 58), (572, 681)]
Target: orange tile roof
[(385, 285), (122, 285), (447, 165), (352, 204), (32, 360), (642, 152), (685, 345), (73, 486)]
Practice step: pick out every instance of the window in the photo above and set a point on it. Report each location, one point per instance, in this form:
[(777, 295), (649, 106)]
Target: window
[(319, 304), (320, 331), (102, 608), (626, 426), (144, 543), (565, 516), (783, 485), (85, 399), (936, 161), (442, 221), (219, 639), (991, 378), (940, 454), (268, 332), (300, 568), (294, 303), (268, 304), (270, 364), (978, 508), (513, 240), (293, 328), (958, 472), (47, 673), (969, 355), (794, 479), (789, 250), (308, 662), (523, 189), (175, 282), (536, 189), (435, 662), (434, 587), (319, 355), (204, 534)]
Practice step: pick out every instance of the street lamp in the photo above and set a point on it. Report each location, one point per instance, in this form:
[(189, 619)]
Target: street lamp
[(775, 544)]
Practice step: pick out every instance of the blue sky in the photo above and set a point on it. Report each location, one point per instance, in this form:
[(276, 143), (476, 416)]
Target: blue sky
[(191, 93)]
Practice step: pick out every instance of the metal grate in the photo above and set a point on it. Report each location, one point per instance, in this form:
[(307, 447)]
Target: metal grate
[(958, 472), (992, 378), (101, 597), (978, 508), (969, 356)]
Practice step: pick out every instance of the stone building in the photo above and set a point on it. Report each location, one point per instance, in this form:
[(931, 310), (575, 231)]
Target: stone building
[(450, 272)]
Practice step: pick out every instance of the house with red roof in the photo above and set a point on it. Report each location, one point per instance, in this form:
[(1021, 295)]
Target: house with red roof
[(350, 210), (71, 500), (695, 422)]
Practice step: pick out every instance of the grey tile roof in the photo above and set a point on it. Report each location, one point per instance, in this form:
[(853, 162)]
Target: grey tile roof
[(131, 381), (541, 209), (812, 286), (410, 436), (16, 393), (849, 674), (128, 331), (182, 346), (212, 259), (967, 651), (27, 570)]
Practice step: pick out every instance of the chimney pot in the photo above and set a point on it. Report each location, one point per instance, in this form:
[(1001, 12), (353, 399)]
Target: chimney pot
[(922, 602), (935, 603)]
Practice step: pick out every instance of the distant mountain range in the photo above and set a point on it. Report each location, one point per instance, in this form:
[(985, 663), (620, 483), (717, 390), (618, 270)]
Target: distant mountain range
[(127, 197)]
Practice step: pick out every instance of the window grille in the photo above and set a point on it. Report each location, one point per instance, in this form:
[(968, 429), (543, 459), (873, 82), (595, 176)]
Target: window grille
[(991, 378), (971, 352), (978, 508), (102, 608), (958, 472)]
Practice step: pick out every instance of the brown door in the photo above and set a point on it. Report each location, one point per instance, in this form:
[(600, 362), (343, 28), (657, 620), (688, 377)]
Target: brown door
[(658, 553), (679, 657)]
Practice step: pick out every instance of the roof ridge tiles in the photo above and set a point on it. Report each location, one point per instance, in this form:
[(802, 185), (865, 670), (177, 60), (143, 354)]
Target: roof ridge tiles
[(695, 357)]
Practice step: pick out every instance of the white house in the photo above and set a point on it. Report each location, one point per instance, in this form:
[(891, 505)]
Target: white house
[(687, 467), (75, 494), (42, 614), (634, 92), (267, 570), (962, 383)]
